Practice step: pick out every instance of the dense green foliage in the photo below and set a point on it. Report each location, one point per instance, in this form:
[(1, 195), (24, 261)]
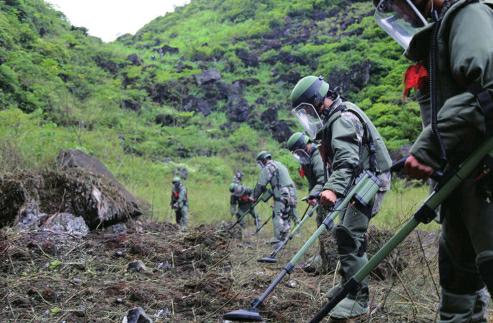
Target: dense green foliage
[(60, 88)]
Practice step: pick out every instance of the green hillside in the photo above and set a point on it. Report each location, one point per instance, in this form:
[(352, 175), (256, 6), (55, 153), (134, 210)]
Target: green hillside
[(205, 87)]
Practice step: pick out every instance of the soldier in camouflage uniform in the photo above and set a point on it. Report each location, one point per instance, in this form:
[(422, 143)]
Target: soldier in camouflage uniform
[(241, 201), (277, 176), (452, 41), (312, 167), (179, 202), (349, 144)]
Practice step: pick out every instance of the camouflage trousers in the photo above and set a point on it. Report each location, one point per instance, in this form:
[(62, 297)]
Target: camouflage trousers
[(181, 216)]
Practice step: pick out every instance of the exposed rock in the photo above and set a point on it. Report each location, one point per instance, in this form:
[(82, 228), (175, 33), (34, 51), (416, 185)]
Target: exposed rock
[(66, 223), (207, 76), (119, 228), (353, 80), (136, 266), (281, 131), (106, 64), (198, 105), (165, 119), (134, 59), (269, 116), (30, 217), (246, 57), (131, 105), (291, 77), (238, 109), (136, 315), (168, 49)]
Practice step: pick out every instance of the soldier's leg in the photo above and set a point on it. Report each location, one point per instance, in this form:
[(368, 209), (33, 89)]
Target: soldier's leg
[(184, 217), (178, 216), (286, 211), (276, 220), (242, 209), (255, 217), (466, 238), (351, 244)]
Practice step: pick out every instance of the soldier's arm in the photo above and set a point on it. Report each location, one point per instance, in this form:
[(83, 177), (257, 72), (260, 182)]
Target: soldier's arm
[(319, 173), (263, 180), (460, 120), (233, 201), (345, 147)]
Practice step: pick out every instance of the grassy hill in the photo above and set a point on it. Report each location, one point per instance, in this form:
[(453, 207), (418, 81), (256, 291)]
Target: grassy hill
[(204, 87)]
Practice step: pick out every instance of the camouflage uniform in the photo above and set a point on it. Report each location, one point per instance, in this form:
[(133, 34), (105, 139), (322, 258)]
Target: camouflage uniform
[(345, 148), (464, 58), (315, 173), (276, 174), (241, 202), (179, 202)]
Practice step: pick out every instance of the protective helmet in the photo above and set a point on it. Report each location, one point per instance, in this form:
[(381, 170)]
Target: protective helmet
[(239, 175), (176, 179), (310, 89), (263, 155), (298, 140)]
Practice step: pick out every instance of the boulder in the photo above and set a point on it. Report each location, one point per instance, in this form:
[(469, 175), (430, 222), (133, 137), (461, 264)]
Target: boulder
[(207, 76), (168, 49), (269, 116), (134, 59), (165, 119), (65, 223), (131, 105), (280, 131), (238, 109), (353, 79), (136, 315), (198, 105), (247, 57)]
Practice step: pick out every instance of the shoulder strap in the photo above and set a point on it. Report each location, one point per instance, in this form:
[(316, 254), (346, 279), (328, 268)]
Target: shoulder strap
[(370, 143)]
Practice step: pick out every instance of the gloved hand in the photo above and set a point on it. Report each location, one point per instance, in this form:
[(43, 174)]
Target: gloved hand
[(312, 201), (328, 198), (415, 169)]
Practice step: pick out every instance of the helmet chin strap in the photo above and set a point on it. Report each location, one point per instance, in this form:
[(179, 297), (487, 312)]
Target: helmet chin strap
[(334, 107)]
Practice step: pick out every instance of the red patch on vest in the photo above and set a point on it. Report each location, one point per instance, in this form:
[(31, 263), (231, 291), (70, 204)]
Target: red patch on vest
[(415, 78), (301, 171)]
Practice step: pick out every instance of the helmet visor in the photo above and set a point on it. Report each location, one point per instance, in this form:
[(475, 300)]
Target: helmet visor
[(400, 19), (301, 156), (309, 119)]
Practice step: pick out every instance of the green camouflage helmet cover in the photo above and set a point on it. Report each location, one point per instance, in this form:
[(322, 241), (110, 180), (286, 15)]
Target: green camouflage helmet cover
[(176, 179), (263, 155), (298, 140), (310, 89)]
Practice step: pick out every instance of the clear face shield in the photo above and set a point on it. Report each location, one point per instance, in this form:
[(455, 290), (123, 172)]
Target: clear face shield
[(301, 156), (260, 164), (401, 19), (309, 119)]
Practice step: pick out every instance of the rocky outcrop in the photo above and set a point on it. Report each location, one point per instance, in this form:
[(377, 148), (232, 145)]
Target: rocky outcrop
[(207, 76), (238, 109), (81, 186), (134, 59)]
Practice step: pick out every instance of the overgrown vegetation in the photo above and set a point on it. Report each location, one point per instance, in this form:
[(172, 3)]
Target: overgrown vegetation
[(142, 104)]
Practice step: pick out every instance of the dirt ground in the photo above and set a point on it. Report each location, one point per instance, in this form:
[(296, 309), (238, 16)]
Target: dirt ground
[(194, 276)]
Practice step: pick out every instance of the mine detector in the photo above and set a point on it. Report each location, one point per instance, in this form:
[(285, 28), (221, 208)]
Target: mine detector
[(264, 198), (447, 183), (362, 192)]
